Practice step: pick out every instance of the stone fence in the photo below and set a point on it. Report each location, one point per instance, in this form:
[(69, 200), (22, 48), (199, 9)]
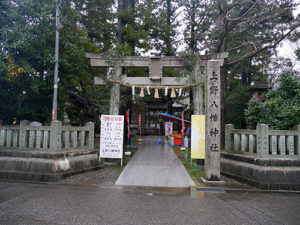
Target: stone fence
[(263, 143), (54, 137)]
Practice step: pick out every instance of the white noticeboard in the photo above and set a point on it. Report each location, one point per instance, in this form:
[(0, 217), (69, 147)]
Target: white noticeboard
[(111, 137)]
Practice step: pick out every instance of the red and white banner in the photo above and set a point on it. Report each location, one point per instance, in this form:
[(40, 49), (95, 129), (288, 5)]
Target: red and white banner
[(168, 128), (128, 124), (182, 124)]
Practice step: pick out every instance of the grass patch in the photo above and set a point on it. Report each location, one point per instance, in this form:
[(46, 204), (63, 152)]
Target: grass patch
[(195, 172)]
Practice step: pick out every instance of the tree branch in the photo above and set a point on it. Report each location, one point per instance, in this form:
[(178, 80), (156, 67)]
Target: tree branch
[(244, 44), (253, 53), (243, 15)]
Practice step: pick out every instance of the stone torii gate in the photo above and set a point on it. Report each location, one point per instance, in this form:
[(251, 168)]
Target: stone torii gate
[(209, 74)]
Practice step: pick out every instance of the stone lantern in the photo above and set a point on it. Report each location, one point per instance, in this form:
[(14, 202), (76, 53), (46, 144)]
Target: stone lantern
[(258, 89)]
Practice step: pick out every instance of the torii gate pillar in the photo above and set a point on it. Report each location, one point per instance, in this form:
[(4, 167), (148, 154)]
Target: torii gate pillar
[(114, 106)]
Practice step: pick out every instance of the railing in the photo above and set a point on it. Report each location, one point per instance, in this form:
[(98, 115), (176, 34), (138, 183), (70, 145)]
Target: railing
[(55, 137), (263, 143)]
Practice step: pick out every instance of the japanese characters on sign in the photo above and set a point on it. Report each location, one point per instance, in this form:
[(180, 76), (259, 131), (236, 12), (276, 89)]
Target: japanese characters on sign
[(213, 112), (111, 141)]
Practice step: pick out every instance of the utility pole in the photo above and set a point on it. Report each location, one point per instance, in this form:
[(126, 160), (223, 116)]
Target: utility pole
[(54, 108)]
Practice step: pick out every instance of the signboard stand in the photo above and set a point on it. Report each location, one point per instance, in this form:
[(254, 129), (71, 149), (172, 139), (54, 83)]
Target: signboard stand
[(111, 137)]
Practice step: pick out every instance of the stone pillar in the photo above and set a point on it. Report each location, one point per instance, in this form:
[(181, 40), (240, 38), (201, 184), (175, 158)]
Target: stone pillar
[(244, 142), (67, 139), (115, 92), (237, 142), (251, 143), (262, 132), (198, 95), (31, 138), (1, 122), (39, 135), (23, 133), (228, 137), (15, 138), (55, 135), (91, 135), (74, 139), (282, 148), (274, 145), (46, 139), (290, 145), (2, 137), (213, 121), (9, 136)]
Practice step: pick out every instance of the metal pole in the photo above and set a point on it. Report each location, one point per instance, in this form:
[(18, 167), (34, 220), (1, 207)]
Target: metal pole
[(54, 108)]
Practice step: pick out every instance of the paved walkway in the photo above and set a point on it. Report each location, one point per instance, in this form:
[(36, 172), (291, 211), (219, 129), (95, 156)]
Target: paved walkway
[(155, 165)]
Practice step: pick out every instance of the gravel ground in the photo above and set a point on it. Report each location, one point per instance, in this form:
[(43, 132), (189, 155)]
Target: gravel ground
[(106, 175)]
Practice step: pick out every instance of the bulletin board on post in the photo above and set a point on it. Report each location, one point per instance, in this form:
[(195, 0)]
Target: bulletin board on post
[(111, 137)]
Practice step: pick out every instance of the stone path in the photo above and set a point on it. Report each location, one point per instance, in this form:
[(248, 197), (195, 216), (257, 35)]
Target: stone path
[(155, 165)]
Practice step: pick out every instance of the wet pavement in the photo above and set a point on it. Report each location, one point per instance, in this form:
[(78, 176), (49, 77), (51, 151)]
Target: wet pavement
[(29, 203), (155, 165)]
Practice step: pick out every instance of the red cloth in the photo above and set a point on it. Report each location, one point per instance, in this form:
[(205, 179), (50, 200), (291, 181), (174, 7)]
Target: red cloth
[(182, 124), (128, 124)]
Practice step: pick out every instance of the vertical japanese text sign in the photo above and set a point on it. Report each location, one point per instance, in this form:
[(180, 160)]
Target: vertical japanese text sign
[(111, 141), (213, 122)]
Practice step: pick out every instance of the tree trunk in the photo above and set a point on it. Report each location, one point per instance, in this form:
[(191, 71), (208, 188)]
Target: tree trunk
[(246, 73), (169, 49), (193, 41), (223, 26)]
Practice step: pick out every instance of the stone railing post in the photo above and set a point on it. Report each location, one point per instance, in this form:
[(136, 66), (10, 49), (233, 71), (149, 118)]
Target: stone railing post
[(1, 122), (298, 150), (91, 127), (23, 133), (55, 135), (228, 135), (262, 138)]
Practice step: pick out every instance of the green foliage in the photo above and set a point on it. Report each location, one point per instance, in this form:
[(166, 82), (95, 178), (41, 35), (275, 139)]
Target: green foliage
[(27, 63), (281, 110), (236, 104)]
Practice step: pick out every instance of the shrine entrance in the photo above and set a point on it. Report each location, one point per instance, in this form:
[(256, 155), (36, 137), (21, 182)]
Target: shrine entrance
[(151, 123), (206, 78)]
